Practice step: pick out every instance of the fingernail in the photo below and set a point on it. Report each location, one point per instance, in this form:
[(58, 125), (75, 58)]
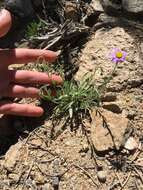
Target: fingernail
[(58, 52)]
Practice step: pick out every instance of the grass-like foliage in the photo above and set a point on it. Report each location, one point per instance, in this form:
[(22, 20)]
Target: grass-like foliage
[(33, 29), (72, 97)]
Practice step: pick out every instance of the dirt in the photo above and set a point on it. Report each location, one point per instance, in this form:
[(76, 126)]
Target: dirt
[(127, 82), (67, 161)]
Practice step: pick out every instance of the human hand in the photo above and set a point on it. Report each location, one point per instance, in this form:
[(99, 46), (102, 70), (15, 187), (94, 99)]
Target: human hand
[(20, 83)]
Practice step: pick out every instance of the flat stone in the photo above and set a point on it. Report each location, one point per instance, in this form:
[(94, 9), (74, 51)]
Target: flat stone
[(109, 97), (96, 4), (104, 139), (134, 83), (12, 156), (36, 142)]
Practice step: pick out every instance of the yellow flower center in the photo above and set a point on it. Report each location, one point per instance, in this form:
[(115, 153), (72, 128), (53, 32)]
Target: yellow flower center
[(119, 54)]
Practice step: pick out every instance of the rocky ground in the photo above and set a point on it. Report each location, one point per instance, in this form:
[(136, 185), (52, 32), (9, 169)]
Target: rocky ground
[(100, 157)]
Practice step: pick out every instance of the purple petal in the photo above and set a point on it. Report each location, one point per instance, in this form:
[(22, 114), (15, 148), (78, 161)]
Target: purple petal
[(115, 50), (115, 60), (124, 54), (122, 59)]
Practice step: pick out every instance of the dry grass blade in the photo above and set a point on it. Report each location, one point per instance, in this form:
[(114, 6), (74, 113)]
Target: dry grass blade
[(127, 179), (87, 174), (139, 174)]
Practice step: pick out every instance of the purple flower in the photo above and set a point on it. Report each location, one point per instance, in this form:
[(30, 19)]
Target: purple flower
[(118, 55)]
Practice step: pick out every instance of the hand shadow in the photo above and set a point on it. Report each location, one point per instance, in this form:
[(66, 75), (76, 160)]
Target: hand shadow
[(13, 128)]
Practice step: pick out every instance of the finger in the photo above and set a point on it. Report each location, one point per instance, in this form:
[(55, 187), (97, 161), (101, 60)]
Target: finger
[(33, 77), (18, 91), (19, 109), (5, 22), (24, 55)]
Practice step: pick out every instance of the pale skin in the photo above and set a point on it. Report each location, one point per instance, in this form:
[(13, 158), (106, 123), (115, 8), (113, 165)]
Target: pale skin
[(20, 83)]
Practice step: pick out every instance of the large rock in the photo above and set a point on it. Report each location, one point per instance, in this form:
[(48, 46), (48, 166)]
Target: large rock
[(133, 6), (111, 6), (124, 7), (21, 8), (104, 138)]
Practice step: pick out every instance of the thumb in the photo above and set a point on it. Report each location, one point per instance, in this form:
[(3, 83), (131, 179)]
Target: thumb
[(5, 22)]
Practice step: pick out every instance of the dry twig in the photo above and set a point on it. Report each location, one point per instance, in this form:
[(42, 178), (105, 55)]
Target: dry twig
[(86, 173), (120, 181), (29, 171), (127, 179), (138, 173)]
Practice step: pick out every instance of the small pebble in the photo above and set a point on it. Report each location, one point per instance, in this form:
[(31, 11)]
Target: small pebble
[(47, 186), (101, 176), (131, 144), (14, 177), (131, 114), (83, 154)]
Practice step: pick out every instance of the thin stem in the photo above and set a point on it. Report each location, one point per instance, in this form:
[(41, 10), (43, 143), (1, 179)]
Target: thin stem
[(109, 78)]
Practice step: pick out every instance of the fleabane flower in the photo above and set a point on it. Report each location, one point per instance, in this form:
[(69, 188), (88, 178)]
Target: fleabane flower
[(118, 55)]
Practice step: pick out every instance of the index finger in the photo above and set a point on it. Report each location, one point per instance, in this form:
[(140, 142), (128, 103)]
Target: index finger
[(20, 109), (25, 55)]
